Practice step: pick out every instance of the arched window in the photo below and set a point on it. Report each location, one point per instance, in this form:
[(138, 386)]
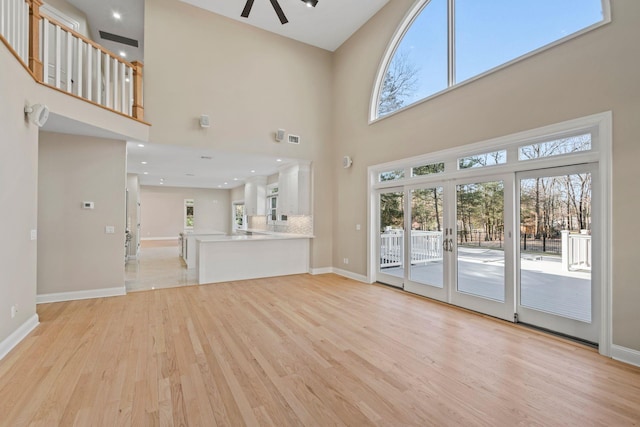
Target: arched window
[(443, 43)]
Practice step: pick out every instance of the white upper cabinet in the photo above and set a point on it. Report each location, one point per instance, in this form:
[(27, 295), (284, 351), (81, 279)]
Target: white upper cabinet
[(294, 189), (255, 196)]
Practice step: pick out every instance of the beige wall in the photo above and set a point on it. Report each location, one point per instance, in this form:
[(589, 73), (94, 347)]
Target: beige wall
[(590, 74), (162, 210), (74, 252), (250, 82), (18, 196)]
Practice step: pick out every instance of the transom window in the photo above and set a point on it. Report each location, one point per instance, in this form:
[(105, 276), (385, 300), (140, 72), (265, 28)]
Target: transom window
[(446, 42)]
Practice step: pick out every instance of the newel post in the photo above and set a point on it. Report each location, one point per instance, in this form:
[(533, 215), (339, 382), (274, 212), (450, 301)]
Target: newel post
[(138, 101), (35, 65)]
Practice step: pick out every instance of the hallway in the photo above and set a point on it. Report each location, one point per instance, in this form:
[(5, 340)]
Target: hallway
[(158, 266)]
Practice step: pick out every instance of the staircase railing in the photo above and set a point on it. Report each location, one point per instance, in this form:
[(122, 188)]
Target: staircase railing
[(60, 57)]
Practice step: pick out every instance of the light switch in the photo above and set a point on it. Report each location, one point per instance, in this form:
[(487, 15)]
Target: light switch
[(358, 227), (34, 234), (110, 229)]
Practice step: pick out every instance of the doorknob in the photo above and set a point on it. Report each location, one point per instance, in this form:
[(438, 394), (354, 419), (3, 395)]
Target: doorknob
[(450, 245)]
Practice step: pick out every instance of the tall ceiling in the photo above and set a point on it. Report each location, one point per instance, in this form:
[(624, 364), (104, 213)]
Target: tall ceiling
[(326, 26)]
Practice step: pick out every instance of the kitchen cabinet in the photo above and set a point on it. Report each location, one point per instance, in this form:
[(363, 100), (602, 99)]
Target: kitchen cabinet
[(255, 196), (294, 189)]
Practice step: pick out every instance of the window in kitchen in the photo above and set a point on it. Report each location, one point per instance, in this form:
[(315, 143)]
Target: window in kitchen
[(272, 204), (188, 213), (239, 216)]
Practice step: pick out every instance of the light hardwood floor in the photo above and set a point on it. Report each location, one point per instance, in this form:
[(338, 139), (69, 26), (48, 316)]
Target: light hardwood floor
[(301, 350)]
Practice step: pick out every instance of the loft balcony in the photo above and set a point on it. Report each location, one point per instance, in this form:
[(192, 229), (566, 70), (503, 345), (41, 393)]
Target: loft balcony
[(61, 58)]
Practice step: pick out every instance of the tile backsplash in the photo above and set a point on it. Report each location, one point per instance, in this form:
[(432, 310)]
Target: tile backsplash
[(296, 224)]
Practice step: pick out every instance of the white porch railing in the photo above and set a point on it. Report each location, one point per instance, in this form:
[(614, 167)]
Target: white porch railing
[(14, 26), (425, 246), (576, 251)]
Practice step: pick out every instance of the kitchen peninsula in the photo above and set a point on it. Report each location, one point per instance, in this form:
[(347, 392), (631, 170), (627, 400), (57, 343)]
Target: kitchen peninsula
[(252, 256)]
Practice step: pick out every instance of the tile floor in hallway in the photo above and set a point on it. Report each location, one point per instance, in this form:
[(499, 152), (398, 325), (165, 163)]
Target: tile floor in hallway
[(158, 266)]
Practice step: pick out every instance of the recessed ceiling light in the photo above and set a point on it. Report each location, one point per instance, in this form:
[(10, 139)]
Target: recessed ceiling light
[(235, 179), (141, 145), (226, 183), (219, 186), (117, 16), (123, 54), (253, 171), (146, 173), (144, 163), (127, 79), (162, 183), (278, 160)]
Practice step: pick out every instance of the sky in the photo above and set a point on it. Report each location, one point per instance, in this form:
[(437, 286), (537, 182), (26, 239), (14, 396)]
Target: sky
[(488, 34)]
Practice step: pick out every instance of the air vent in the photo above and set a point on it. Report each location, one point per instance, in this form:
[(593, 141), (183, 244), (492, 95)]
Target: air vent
[(118, 39), (294, 139)]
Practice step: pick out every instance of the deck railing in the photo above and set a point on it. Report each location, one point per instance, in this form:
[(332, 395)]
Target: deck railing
[(576, 251), (66, 60), (425, 246)]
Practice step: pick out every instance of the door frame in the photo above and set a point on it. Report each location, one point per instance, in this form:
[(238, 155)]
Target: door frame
[(600, 127), (540, 318)]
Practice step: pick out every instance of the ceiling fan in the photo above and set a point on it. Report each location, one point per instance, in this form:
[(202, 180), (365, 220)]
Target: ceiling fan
[(276, 7)]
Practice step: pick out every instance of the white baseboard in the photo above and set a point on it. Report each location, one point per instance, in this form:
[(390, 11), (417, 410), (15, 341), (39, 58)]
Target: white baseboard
[(626, 355), (77, 295), (351, 275), (160, 238), (18, 335), (323, 270)]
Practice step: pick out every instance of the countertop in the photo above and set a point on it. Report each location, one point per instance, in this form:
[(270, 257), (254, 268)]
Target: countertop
[(239, 238)]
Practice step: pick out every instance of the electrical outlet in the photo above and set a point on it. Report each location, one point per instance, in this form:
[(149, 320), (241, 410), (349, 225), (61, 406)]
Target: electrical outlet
[(345, 260), (109, 229), (14, 311)]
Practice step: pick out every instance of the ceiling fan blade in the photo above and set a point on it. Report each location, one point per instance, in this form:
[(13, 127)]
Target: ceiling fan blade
[(247, 9), (279, 12)]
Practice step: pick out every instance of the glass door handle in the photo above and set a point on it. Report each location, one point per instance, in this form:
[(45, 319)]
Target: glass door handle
[(450, 245)]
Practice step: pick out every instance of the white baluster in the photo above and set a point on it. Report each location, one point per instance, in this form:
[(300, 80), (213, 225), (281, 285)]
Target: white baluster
[(130, 97), (3, 13), (18, 45), (80, 47), (123, 97), (99, 77), (69, 67), (45, 51), (89, 72), (25, 33), (107, 81), (115, 83), (58, 52)]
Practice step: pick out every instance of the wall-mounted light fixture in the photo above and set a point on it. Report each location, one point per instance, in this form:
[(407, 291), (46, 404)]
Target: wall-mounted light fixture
[(38, 114), (346, 162)]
